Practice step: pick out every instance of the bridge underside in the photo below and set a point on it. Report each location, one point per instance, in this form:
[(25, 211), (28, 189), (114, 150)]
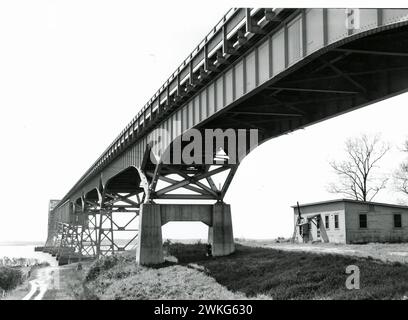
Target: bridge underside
[(348, 77), (139, 199)]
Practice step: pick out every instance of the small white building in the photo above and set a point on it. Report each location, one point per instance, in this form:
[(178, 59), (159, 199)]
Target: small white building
[(350, 221)]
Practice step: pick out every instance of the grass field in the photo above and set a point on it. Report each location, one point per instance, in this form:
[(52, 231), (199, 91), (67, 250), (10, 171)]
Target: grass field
[(249, 273)]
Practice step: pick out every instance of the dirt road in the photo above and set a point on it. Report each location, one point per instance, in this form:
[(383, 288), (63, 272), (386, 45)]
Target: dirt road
[(52, 283), (45, 279), (382, 251)]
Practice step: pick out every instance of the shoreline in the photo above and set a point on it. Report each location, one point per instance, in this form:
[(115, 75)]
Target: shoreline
[(21, 243)]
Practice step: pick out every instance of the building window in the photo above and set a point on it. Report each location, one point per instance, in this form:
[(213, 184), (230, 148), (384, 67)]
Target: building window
[(336, 221), (363, 220), (397, 221), (326, 222)]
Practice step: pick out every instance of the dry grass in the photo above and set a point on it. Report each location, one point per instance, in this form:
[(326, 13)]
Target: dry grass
[(299, 275), (254, 273), (119, 278), (19, 292), (174, 282)]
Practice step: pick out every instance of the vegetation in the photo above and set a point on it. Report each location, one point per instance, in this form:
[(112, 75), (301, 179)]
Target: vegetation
[(254, 273), (119, 278), (401, 174), (14, 273), (21, 262), (357, 177), (299, 275), (10, 278)]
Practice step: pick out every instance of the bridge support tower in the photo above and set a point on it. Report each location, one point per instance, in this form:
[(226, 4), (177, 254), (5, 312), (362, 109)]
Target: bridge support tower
[(197, 185), (154, 216)]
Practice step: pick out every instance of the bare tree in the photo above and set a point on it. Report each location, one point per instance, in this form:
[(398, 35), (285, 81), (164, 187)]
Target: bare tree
[(357, 174), (401, 175)]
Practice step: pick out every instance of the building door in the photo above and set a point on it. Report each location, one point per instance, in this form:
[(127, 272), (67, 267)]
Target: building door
[(306, 232)]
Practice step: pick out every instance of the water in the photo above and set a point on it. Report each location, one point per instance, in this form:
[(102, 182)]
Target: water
[(25, 251)]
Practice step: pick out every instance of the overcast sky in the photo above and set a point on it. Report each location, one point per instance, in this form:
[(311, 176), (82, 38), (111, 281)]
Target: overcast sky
[(73, 74)]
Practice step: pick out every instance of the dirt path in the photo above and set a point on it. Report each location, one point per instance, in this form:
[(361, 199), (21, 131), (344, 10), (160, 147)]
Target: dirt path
[(314, 248), (381, 251), (45, 279), (54, 283)]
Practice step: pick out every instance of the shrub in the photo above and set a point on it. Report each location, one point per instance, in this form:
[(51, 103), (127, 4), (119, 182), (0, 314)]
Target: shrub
[(187, 252), (10, 278), (99, 266)]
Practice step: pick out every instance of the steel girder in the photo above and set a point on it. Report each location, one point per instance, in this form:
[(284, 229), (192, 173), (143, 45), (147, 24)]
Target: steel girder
[(191, 183)]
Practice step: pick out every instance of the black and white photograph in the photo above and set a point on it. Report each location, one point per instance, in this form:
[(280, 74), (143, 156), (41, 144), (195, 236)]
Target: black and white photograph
[(204, 157)]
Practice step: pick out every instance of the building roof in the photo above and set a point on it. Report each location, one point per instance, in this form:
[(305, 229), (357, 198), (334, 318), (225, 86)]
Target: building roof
[(352, 201)]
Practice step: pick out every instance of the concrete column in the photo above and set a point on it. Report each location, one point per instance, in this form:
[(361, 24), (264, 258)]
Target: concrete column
[(220, 234), (149, 248)]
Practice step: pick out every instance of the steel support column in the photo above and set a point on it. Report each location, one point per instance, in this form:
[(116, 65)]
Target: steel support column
[(119, 211), (90, 228)]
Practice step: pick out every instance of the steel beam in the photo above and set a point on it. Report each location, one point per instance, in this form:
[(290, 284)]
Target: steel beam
[(314, 90), (274, 114), (373, 52)]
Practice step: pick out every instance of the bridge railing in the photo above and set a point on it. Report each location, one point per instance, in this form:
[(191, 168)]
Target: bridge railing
[(212, 41), (227, 28)]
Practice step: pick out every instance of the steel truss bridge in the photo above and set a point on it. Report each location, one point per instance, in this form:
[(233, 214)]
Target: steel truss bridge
[(274, 70)]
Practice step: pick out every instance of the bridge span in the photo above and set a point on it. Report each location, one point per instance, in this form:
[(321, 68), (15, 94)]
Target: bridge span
[(258, 74)]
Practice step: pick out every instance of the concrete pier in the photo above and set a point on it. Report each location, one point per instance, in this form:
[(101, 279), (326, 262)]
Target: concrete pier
[(149, 249), (154, 216), (63, 260), (220, 234)]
